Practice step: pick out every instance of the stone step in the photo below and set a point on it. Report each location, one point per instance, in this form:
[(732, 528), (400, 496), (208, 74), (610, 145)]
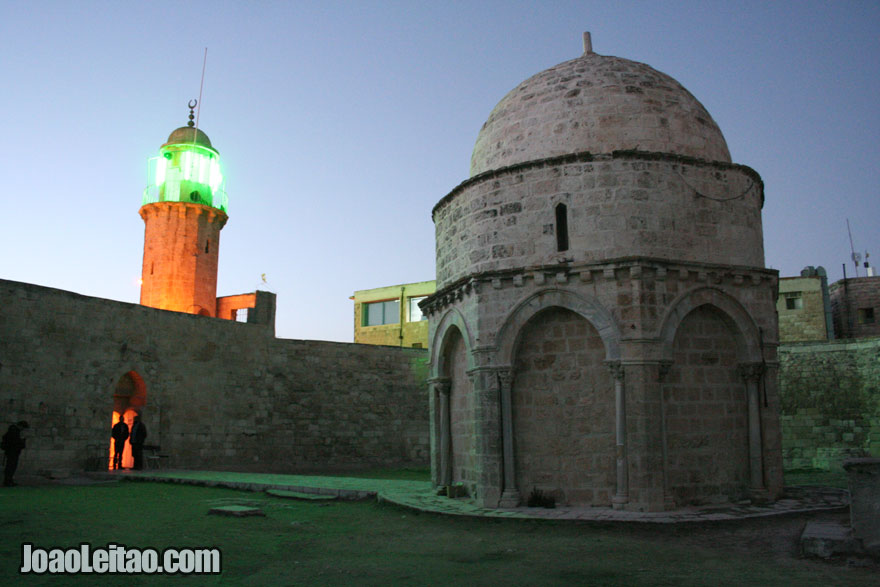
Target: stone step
[(236, 511), (283, 493), (826, 539)]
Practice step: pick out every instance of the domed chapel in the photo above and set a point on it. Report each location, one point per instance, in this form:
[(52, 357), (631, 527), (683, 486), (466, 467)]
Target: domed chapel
[(604, 329)]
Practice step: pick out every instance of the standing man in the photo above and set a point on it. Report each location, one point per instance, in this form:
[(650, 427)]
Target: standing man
[(137, 438), (119, 432), (12, 444)]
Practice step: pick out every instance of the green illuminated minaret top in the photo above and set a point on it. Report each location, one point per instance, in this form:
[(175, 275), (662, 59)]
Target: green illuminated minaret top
[(187, 169)]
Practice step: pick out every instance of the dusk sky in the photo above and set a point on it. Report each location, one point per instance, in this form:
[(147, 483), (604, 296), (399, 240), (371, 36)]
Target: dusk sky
[(340, 125)]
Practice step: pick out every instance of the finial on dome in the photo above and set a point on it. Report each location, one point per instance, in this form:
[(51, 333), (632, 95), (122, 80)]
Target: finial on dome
[(192, 106), (588, 44)]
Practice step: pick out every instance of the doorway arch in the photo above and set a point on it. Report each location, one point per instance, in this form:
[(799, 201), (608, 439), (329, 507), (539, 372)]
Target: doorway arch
[(129, 400)]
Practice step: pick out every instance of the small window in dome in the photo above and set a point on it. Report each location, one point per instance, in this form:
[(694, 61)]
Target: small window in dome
[(561, 227), (195, 197)]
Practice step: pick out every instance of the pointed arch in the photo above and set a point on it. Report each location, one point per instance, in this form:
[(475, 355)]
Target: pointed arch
[(708, 339), (129, 400), (588, 308), (746, 333), (452, 321)]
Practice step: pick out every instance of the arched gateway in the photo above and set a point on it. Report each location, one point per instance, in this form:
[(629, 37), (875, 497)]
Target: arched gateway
[(129, 400)]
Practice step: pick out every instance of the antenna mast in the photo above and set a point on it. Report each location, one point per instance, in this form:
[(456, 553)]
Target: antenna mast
[(202, 85), (197, 103), (856, 257)]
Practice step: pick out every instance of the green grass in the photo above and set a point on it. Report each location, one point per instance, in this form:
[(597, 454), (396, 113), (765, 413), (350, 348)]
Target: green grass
[(366, 543)]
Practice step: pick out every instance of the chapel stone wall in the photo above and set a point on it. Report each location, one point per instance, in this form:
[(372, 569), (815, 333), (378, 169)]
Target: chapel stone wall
[(563, 410), (618, 205), (706, 415)]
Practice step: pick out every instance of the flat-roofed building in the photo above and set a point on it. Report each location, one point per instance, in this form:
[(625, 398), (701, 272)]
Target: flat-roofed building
[(391, 315), (804, 307), (855, 303)]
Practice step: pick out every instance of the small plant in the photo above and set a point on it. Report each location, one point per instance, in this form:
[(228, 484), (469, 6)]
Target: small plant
[(539, 499)]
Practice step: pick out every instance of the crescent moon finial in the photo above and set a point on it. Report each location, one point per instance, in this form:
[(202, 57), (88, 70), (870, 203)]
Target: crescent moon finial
[(192, 106)]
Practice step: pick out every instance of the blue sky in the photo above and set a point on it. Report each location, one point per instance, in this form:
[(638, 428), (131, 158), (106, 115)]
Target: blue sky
[(341, 124)]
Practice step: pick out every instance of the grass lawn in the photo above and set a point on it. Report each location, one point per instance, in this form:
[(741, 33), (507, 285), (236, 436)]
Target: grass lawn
[(337, 543)]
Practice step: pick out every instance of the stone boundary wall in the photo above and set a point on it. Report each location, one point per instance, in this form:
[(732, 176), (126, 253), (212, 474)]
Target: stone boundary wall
[(830, 402), (219, 394)]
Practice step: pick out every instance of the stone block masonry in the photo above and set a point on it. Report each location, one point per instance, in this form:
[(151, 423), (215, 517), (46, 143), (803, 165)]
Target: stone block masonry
[(830, 402), (855, 305), (488, 222), (219, 394)]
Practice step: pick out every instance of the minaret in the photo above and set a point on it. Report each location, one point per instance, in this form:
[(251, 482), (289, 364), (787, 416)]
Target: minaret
[(184, 209)]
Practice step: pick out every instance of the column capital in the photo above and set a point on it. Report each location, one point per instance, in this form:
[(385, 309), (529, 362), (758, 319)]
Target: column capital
[(505, 376), (663, 368), (441, 384), (616, 368), (751, 371)]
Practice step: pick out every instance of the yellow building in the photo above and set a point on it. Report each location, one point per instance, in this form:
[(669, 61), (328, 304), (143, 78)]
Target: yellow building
[(803, 307), (391, 316)]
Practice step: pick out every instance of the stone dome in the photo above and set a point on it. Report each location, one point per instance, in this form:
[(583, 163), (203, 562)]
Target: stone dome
[(184, 135), (599, 104)]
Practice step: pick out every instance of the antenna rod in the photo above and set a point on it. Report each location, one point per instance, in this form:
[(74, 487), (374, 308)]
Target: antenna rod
[(199, 111), (202, 85), (852, 249)]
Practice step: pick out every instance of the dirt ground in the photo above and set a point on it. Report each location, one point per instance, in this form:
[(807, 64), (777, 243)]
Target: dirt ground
[(776, 537)]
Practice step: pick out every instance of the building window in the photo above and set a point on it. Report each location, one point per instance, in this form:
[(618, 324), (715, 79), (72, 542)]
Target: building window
[(794, 301), (866, 315), (378, 313), (240, 315), (415, 313), (561, 227)]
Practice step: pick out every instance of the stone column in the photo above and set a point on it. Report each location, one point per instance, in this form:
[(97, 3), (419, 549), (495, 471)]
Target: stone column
[(510, 497), (442, 387), (668, 498), (771, 433), (621, 497), (751, 373), (488, 444)]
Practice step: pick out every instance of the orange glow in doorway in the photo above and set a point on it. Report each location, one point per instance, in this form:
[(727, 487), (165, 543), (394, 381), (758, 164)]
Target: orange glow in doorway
[(127, 459)]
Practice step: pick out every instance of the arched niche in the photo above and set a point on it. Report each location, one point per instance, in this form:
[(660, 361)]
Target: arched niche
[(129, 400), (589, 309)]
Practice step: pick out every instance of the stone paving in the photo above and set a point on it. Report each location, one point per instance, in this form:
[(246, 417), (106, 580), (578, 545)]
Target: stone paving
[(419, 495)]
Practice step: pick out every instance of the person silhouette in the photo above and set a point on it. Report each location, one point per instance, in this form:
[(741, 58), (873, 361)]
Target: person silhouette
[(119, 432), (136, 439), (12, 445)]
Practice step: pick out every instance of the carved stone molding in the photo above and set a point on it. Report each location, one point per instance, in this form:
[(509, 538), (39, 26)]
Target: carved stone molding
[(616, 368), (663, 370), (751, 371)]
